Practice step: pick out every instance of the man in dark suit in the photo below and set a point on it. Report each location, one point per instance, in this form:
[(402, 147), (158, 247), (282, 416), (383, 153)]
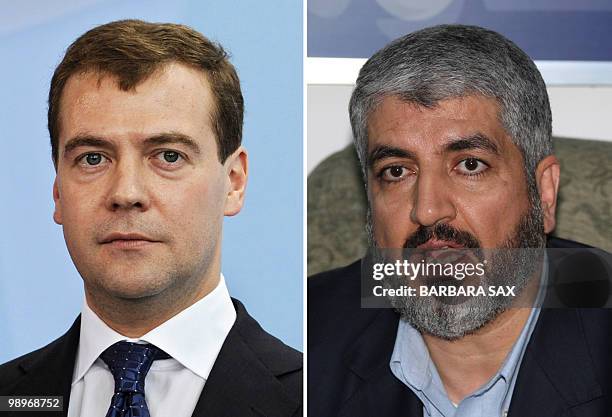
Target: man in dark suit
[(146, 124), (452, 126)]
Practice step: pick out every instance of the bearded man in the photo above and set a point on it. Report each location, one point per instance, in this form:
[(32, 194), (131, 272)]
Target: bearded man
[(452, 126)]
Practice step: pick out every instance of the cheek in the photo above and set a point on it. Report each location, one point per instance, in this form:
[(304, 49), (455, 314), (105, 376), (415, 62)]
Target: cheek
[(197, 208), (80, 224), (78, 209), (391, 220), (492, 214)]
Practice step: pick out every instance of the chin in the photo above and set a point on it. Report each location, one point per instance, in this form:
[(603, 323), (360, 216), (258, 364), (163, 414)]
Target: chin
[(135, 294), (131, 286)]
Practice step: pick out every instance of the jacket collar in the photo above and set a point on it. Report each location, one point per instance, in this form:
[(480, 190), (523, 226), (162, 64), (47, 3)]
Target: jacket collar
[(557, 372), (244, 379), (54, 362), (379, 392)]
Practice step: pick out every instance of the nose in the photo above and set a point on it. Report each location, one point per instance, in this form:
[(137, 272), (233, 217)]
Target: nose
[(128, 188), (432, 201)]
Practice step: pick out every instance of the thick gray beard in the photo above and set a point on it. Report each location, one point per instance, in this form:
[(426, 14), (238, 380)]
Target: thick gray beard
[(508, 267)]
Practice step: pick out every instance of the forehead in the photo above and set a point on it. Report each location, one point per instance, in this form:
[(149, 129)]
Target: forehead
[(174, 98), (395, 122)]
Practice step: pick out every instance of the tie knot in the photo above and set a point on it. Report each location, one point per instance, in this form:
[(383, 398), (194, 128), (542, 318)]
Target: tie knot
[(129, 363)]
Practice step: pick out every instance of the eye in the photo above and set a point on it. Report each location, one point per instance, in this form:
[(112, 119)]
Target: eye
[(394, 173), (170, 157), (91, 159), (471, 166)]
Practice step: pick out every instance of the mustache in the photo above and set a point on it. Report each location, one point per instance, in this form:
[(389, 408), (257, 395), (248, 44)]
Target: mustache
[(442, 231)]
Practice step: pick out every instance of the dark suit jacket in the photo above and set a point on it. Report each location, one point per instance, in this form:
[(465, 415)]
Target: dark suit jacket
[(255, 374), (566, 369)]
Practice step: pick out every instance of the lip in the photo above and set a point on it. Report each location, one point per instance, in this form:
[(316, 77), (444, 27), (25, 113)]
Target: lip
[(127, 240), (447, 252), (434, 244)]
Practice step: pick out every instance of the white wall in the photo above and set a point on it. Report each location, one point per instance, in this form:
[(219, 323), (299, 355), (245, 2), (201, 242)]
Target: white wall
[(583, 112)]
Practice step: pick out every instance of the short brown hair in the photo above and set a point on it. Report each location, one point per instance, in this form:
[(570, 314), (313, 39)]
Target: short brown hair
[(132, 50)]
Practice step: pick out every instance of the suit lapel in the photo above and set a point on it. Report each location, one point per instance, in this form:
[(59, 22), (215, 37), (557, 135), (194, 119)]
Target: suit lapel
[(557, 372), (242, 382), (50, 372), (378, 391)]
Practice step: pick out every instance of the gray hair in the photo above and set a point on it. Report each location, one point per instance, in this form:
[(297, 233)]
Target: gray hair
[(451, 61)]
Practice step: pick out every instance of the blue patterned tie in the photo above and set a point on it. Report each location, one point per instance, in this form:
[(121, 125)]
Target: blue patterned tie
[(129, 364)]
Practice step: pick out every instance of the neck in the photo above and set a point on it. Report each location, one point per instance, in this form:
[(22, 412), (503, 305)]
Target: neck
[(468, 363), (134, 318)]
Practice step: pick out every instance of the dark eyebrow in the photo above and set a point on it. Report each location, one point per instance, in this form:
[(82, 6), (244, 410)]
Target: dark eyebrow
[(161, 139), (171, 138), (476, 141), (86, 140), (384, 152)]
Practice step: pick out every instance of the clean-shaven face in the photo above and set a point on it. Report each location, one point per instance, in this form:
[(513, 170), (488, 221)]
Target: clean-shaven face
[(140, 191)]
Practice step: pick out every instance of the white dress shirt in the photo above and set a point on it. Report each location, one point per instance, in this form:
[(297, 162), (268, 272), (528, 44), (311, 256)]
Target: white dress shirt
[(193, 338)]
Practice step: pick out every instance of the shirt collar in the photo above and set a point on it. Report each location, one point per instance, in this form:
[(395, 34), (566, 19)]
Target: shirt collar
[(411, 357), (193, 337)]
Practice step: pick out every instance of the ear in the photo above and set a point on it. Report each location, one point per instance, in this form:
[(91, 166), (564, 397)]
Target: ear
[(547, 179), (57, 213), (236, 167)]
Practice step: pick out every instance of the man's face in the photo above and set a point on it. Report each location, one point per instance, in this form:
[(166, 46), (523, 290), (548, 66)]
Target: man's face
[(453, 164), (450, 176), (140, 191)]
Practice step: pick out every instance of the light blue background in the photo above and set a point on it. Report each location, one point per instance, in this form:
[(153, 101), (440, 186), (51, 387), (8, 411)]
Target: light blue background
[(40, 291)]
